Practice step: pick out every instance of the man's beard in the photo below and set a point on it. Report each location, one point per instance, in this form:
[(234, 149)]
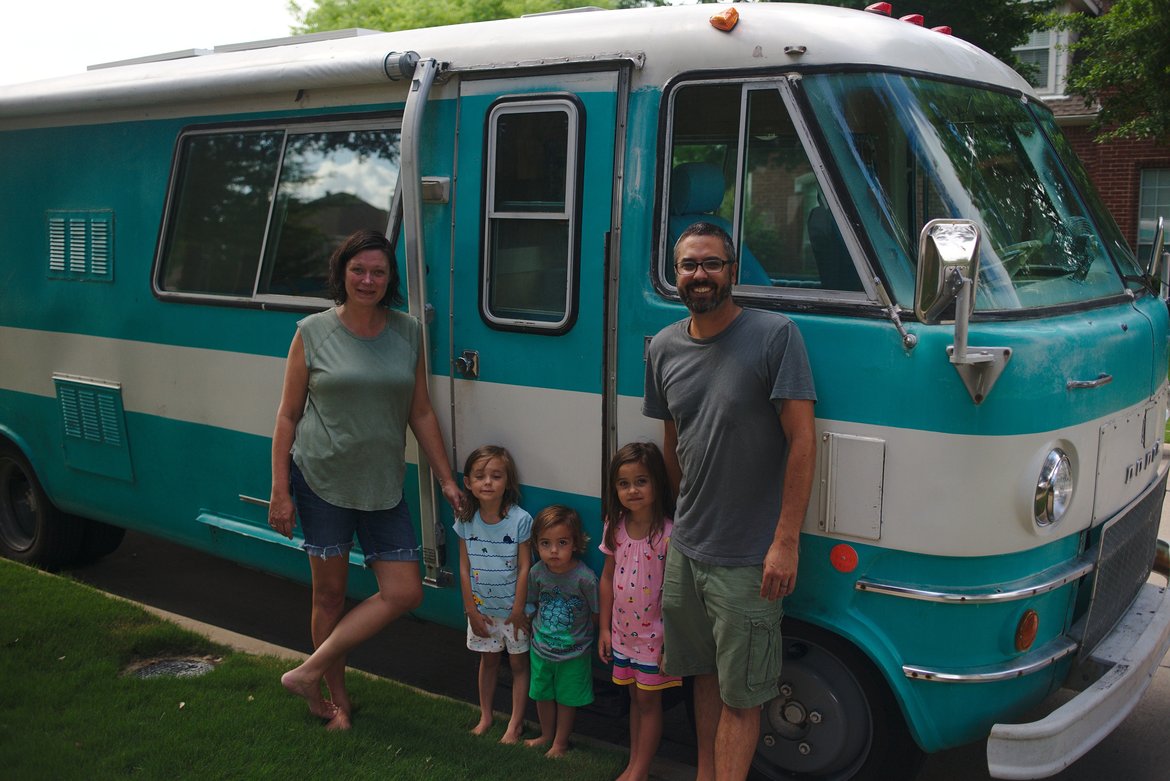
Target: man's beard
[(703, 305)]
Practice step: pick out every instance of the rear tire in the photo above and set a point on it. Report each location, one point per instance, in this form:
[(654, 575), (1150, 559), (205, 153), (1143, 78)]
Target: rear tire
[(835, 718), (32, 530), (98, 540)]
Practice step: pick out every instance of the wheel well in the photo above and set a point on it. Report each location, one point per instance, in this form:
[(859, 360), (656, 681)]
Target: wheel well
[(820, 629)]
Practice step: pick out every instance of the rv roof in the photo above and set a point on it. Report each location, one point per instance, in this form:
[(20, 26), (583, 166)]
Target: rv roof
[(662, 42)]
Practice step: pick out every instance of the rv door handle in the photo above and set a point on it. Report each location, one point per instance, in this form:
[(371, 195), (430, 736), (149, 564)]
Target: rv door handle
[(1102, 379), (467, 364)]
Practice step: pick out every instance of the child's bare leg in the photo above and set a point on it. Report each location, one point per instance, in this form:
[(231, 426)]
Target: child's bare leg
[(635, 725), (566, 714), (547, 711), (645, 732), (489, 669), (519, 663)]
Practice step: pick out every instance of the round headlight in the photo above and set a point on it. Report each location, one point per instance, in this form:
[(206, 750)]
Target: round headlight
[(1054, 488)]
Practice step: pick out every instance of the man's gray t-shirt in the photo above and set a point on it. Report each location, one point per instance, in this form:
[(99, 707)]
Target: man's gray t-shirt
[(724, 396)]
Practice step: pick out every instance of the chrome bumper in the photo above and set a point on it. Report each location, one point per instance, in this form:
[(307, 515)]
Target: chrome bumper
[(1131, 653)]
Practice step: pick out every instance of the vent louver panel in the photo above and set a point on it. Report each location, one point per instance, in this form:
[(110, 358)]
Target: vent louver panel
[(81, 245)]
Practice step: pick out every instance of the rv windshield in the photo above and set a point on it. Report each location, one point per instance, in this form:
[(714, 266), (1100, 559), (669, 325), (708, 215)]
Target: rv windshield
[(911, 150)]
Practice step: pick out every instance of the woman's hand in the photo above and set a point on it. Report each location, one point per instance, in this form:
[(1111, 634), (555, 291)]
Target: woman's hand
[(453, 494), (281, 514)]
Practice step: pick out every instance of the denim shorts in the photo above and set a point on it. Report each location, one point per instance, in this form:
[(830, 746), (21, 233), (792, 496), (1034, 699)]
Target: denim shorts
[(715, 621), (385, 535)]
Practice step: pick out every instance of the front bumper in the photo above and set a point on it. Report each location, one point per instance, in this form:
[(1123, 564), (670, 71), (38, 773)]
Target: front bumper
[(1130, 653)]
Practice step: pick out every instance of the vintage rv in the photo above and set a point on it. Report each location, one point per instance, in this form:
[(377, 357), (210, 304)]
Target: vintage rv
[(991, 358)]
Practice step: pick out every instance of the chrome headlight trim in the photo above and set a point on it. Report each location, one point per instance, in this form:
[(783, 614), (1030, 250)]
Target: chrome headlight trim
[(1054, 488)]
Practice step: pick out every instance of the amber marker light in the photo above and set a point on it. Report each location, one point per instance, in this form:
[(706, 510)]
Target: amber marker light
[(725, 20), (1026, 630), (843, 558)]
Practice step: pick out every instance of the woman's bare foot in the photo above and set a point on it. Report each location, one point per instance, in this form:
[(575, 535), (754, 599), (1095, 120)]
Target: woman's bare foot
[(339, 722), (537, 741), (482, 727), (556, 751), (310, 692)]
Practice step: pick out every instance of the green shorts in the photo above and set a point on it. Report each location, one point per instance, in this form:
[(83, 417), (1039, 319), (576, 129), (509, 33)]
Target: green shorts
[(715, 621), (569, 682)]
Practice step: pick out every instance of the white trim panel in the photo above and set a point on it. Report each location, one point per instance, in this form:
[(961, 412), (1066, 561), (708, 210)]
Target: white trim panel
[(961, 495)]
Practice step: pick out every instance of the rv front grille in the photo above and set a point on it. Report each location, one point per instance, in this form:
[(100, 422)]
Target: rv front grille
[(1125, 557)]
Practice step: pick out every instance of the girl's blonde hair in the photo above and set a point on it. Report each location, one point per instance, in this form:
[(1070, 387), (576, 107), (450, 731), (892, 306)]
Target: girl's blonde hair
[(555, 515), (650, 457), (511, 495)]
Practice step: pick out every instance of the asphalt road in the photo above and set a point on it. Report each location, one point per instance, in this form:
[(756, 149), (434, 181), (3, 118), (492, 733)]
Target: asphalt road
[(273, 610)]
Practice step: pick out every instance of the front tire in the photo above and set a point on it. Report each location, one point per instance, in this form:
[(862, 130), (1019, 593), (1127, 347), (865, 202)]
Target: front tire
[(835, 718), (32, 530)]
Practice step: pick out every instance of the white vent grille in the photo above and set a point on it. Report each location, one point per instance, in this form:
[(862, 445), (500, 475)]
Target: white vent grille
[(81, 245)]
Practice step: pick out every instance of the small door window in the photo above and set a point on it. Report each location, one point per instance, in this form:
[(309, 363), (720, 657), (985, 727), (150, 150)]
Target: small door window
[(531, 215)]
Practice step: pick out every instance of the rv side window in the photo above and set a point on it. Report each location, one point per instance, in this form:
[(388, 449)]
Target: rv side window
[(255, 213), (531, 214), (736, 161)]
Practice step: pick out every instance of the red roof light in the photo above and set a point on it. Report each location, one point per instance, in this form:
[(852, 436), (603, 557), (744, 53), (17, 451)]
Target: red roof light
[(913, 19), (880, 8)]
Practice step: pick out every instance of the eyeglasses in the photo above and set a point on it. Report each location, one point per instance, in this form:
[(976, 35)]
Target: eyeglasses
[(711, 265)]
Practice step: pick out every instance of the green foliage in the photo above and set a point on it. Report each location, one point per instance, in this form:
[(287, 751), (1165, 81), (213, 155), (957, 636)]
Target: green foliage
[(390, 15), (993, 25), (1122, 62)]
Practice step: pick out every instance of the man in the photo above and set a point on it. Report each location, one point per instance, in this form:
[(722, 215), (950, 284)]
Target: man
[(735, 394)]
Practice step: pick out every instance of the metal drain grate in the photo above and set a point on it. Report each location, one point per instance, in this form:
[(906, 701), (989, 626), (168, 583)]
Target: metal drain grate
[(172, 668)]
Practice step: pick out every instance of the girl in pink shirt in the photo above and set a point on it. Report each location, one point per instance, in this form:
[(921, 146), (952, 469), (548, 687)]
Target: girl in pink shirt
[(637, 532)]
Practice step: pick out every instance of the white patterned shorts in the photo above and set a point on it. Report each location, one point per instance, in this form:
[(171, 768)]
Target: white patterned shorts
[(500, 637)]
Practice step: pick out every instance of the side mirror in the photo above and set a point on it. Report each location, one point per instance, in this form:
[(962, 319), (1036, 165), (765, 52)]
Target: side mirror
[(1157, 249), (948, 255)]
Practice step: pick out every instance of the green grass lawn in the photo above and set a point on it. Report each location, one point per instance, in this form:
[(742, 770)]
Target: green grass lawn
[(68, 712)]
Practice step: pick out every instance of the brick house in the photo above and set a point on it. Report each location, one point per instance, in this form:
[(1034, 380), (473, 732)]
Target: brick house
[(1133, 176)]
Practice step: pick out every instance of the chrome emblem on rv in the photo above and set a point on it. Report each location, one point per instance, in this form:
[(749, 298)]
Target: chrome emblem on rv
[(1148, 459)]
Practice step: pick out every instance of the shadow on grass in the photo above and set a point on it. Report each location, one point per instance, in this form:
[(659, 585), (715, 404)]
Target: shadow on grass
[(67, 711)]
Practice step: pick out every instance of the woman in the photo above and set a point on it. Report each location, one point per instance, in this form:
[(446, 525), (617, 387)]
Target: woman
[(353, 382)]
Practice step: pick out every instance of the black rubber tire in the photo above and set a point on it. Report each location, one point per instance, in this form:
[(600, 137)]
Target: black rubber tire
[(838, 721), (32, 530), (98, 540)]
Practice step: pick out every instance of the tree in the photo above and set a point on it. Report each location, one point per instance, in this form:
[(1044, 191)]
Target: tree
[(1122, 63), (408, 15), (993, 25)]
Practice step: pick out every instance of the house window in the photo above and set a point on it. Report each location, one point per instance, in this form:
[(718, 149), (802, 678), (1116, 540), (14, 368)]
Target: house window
[(1153, 202), (1038, 56)]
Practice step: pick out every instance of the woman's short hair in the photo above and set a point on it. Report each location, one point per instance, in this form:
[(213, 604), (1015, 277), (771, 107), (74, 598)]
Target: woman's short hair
[(354, 244)]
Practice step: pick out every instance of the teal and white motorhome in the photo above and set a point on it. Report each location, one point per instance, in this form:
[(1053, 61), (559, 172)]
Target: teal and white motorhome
[(991, 359)]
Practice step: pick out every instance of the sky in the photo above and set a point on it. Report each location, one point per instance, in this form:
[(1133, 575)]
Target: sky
[(46, 38)]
